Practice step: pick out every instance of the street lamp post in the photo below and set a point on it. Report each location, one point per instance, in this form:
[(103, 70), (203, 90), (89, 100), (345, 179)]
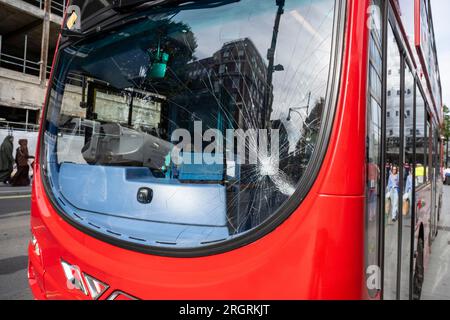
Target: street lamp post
[(446, 154), (299, 108), (271, 67)]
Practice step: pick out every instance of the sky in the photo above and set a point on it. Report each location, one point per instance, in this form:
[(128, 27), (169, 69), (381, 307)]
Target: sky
[(441, 10)]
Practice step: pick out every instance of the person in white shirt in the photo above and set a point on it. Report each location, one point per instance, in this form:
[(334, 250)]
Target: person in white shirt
[(446, 174)]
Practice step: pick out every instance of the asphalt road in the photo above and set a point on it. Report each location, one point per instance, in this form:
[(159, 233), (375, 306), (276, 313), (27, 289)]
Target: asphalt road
[(12, 204), (14, 237), (437, 276)]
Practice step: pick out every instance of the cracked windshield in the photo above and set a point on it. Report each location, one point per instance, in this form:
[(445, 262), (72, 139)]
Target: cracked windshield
[(190, 125)]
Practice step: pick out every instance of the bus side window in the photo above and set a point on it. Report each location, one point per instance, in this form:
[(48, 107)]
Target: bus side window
[(408, 184), (393, 169), (429, 153), (373, 156), (420, 139)]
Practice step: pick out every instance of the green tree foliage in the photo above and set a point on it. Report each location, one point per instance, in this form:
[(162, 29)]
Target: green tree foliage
[(446, 132), (446, 123)]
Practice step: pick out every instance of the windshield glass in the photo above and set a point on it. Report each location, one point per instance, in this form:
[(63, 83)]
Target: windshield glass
[(192, 125)]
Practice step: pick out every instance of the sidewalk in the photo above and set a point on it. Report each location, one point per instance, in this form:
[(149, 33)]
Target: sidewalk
[(6, 191), (437, 277)]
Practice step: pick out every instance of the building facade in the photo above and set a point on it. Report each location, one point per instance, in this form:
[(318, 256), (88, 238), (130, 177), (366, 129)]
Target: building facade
[(28, 36)]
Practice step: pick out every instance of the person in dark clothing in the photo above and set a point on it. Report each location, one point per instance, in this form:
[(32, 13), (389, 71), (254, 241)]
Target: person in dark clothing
[(22, 177), (6, 159)]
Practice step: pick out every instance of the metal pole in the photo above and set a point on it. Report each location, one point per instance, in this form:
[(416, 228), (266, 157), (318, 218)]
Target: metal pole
[(307, 106), (45, 44), (25, 54), (1, 39), (26, 121), (446, 160), (267, 108)]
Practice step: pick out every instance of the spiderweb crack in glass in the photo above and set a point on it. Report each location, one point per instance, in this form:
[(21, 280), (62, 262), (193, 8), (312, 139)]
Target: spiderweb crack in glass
[(118, 99)]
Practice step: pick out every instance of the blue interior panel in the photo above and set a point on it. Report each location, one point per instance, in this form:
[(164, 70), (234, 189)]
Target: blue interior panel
[(113, 191), (200, 172), (105, 199)]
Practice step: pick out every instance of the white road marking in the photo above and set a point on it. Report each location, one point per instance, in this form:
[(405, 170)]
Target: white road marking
[(14, 214), (15, 197)]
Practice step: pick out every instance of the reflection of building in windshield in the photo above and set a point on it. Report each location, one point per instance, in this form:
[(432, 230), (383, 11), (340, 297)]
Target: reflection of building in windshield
[(236, 75), (305, 146), (227, 92), (393, 107)]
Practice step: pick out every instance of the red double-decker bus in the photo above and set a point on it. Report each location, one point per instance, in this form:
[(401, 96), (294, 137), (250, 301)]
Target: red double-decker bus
[(345, 94)]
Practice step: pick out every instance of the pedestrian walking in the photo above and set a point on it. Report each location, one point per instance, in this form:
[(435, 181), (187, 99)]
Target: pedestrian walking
[(393, 188), (6, 159), (22, 178)]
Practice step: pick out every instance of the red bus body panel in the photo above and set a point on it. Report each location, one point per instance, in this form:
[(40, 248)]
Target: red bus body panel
[(318, 253)]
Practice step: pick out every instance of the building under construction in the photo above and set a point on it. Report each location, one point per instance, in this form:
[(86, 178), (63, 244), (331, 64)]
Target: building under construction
[(28, 35)]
